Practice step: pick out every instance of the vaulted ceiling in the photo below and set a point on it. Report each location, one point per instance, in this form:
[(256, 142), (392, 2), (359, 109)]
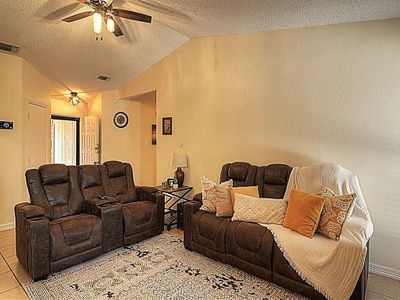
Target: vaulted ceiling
[(70, 56)]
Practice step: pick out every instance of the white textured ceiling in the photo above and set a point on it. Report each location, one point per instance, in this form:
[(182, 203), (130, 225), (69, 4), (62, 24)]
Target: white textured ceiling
[(69, 54)]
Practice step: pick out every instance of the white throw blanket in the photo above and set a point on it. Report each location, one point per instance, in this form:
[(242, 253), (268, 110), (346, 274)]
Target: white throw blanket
[(331, 267)]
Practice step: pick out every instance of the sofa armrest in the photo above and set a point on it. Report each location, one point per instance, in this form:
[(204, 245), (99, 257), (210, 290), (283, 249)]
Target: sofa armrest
[(32, 239), (189, 208), (110, 212), (96, 202), (360, 290), (28, 211), (198, 197), (146, 193)]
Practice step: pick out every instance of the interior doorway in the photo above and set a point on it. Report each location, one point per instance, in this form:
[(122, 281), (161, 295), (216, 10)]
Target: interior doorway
[(144, 130), (65, 141)]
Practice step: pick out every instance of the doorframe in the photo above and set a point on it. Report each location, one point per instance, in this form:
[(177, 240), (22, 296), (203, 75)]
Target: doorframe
[(78, 133)]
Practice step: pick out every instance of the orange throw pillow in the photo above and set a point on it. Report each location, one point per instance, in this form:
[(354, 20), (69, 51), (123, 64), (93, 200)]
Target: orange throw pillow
[(303, 213)]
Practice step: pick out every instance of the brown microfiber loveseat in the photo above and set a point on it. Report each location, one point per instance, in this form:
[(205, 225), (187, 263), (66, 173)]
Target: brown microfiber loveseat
[(249, 246), (66, 223)]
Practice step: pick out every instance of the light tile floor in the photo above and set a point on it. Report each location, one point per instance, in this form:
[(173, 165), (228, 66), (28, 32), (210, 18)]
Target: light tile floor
[(13, 275)]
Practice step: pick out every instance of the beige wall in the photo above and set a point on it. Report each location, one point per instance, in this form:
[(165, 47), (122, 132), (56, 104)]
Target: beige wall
[(120, 143), (130, 144), (36, 89), (95, 106), (20, 83), (62, 107), (148, 154), (298, 96), (10, 140)]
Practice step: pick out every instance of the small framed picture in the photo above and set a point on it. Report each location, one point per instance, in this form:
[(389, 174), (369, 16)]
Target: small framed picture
[(167, 126), (153, 134)]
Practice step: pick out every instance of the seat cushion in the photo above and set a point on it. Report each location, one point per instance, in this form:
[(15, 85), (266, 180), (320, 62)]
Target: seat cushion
[(209, 230), (74, 234), (139, 216), (250, 242)]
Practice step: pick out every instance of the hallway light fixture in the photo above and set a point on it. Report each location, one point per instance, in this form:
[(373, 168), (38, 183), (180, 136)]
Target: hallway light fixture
[(74, 99)]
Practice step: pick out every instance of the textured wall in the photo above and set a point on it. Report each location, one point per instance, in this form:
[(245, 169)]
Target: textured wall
[(120, 143), (62, 107), (19, 83), (10, 140), (36, 88), (326, 93), (148, 162)]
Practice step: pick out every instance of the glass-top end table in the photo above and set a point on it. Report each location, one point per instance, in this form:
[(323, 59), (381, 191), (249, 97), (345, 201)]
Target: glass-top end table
[(173, 196)]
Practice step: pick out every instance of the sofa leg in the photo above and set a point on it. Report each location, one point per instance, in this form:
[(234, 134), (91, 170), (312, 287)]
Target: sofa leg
[(41, 278)]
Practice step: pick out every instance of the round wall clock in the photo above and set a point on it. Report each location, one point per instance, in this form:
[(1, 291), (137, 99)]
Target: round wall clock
[(121, 119)]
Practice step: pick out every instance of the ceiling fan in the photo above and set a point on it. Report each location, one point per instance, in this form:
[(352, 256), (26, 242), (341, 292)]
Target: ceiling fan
[(102, 10)]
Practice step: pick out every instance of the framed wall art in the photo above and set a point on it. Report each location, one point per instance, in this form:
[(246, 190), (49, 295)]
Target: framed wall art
[(153, 134), (167, 126)]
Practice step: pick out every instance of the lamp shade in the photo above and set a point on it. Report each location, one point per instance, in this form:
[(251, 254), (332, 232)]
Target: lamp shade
[(179, 160)]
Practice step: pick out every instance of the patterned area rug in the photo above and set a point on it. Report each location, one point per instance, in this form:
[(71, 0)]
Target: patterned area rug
[(158, 268)]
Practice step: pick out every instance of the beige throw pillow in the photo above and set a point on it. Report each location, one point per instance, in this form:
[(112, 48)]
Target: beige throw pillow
[(259, 210), (334, 213), (209, 193), (244, 190), (223, 203)]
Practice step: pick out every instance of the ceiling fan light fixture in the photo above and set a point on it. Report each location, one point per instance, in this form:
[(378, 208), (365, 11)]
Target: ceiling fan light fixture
[(110, 25), (108, 2), (74, 99), (97, 22)]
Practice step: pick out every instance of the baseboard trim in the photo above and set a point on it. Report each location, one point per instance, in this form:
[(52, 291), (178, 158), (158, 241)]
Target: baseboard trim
[(7, 226), (384, 271)]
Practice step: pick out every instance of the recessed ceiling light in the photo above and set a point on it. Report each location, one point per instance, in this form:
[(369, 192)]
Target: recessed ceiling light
[(104, 78)]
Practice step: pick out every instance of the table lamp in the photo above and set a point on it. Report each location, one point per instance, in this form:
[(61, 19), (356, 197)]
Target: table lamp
[(179, 160)]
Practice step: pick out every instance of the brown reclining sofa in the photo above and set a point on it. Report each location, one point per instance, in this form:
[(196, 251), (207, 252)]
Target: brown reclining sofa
[(249, 246), (69, 221)]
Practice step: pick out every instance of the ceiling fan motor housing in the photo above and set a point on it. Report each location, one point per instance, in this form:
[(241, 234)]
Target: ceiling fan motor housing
[(104, 11)]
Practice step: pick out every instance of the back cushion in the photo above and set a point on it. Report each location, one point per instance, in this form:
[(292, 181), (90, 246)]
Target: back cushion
[(120, 176), (272, 180), (55, 180), (55, 188), (242, 173), (91, 182)]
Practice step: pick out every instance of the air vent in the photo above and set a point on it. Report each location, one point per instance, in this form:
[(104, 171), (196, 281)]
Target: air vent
[(9, 48), (104, 78)]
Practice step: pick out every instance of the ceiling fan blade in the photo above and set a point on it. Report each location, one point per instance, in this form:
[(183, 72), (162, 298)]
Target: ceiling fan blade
[(61, 12), (108, 2), (118, 31), (78, 16), (127, 14), (162, 8)]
